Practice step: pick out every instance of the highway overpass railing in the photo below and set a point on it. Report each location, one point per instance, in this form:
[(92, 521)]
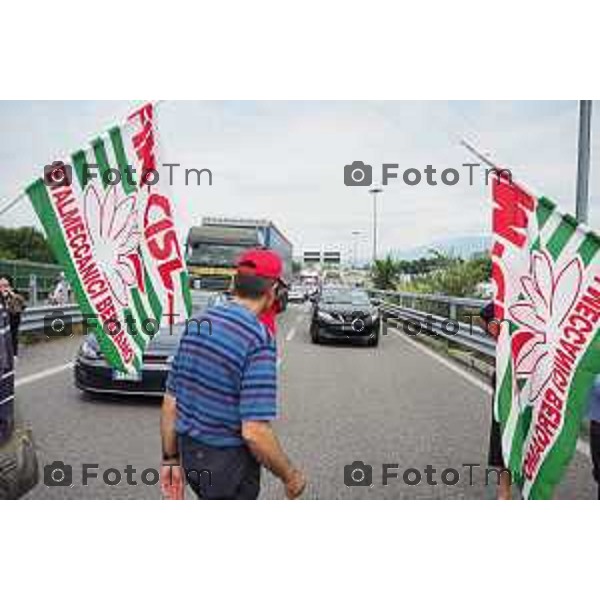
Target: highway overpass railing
[(452, 318)]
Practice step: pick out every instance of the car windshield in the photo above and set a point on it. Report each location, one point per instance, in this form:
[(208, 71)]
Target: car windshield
[(345, 296)]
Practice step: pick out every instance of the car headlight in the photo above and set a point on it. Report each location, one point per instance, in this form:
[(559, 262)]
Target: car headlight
[(325, 316), (90, 350)]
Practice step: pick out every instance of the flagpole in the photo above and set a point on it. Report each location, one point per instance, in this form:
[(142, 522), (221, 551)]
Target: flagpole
[(10, 204), (477, 154), (583, 160), (104, 133)]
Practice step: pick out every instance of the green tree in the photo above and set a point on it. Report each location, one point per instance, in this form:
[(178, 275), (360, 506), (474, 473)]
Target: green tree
[(384, 273), (24, 243), (450, 275), (460, 277), (423, 264)]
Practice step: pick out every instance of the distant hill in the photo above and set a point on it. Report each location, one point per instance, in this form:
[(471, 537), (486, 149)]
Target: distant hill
[(463, 246)]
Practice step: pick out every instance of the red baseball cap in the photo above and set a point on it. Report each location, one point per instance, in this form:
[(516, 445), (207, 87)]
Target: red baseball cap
[(262, 263)]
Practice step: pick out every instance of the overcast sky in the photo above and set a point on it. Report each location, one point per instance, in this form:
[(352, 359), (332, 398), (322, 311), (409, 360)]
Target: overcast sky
[(285, 160)]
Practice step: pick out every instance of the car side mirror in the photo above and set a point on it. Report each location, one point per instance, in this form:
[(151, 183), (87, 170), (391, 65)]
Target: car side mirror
[(376, 301)]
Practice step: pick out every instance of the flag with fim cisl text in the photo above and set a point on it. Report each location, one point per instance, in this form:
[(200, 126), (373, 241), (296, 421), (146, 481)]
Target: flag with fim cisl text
[(115, 235), (546, 271)]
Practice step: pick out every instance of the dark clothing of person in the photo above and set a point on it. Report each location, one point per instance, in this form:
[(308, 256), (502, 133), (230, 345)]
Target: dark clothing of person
[(14, 324), (495, 457), (487, 312), (220, 473), (595, 451), (7, 379), (593, 414)]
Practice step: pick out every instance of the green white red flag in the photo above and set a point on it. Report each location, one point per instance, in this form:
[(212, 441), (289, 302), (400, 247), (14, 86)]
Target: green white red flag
[(116, 237), (546, 269)]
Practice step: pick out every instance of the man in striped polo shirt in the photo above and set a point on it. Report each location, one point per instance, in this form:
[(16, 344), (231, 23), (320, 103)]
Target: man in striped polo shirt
[(222, 395)]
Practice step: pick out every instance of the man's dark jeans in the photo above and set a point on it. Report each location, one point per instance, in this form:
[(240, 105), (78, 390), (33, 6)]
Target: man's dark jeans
[(595, 450), (220, 473)]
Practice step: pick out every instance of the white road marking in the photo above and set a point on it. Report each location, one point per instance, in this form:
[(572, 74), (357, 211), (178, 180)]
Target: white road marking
[(581, 446), (290, 335), (42, 374)]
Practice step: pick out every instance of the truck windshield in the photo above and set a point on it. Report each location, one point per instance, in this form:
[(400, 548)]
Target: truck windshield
[(215, 255)]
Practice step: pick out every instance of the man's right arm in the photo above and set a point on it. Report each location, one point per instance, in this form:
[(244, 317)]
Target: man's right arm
[(258, 407), (264, 445)]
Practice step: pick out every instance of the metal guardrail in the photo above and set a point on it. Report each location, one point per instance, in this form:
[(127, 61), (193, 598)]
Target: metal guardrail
[(34, 318), (449, 317)]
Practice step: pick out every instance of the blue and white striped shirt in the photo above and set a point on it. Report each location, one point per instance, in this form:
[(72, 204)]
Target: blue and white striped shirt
[(223, 377)]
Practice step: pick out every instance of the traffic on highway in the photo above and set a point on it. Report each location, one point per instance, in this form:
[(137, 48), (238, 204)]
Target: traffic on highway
[(236, 352), (340, 402)]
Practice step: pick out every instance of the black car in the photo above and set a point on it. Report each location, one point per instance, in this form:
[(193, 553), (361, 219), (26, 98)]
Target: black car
[(94, 375), (341, 313)]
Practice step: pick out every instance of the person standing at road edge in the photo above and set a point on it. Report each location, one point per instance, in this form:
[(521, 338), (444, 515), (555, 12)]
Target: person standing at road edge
[(594, 416), (15, 305), (221, 396), (495, 458)]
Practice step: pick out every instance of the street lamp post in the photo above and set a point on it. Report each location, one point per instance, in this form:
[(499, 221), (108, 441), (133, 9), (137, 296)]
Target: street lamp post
[(355, 235), (583, 160), (375, 191)]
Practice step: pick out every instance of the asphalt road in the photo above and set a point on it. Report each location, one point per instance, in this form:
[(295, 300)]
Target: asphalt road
[(396, 404)]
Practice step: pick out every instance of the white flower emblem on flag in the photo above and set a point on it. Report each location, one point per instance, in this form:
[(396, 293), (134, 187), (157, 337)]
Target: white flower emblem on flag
[(550, 297), (112, 225)]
